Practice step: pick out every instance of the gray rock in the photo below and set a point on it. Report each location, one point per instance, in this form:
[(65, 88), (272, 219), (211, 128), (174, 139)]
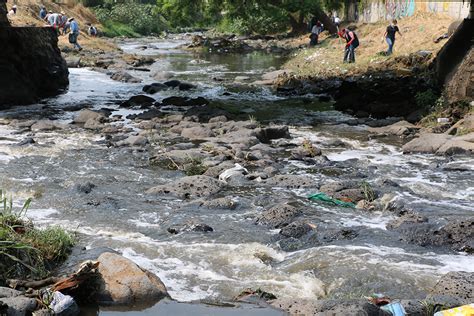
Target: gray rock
[(220, 203), (458, 234), (154, 88), (86, 187), (73, 62), (125, 283), (95, 123), (218, 119), (173, 83), (278, 216), (85, 115), (328, 307), (198, 132), (19, 305), (189, 187), (46, 125), (124, 77), (410, 217), (291, 181), (296, 229), (183, 86), (179, 157), (161, 75), (138, 101), (176, 101), (269, 133), (456, 284), (133, 141), (426, 143), (8, 292), (27, 141)]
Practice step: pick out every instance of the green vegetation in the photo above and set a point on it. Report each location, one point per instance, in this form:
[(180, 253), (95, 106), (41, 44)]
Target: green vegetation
[(426, 99), (145, 17), (369, 193), (26, 251), (130, 19)]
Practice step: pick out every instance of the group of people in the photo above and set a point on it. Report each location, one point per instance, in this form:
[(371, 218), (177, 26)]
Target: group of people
[(63, 24), (352, 41)]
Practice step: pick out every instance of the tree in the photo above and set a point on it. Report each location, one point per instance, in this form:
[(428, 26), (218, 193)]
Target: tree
[(253, 16)]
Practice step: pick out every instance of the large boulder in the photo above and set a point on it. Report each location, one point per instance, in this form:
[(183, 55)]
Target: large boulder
[(458, 145), (426, 143), (292, 181), (456, 284), (189, 187), (328, 307), (278, 216), (31, 66), (125, 283)]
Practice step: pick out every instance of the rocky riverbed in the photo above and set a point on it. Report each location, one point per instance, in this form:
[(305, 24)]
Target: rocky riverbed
[(148, 168)]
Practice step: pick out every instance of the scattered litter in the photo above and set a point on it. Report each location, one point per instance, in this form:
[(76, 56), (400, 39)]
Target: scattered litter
[(379, 299), (87, 270), (327, 199), (235, 171), (465, 310), (395, 308), (259, 293), (60, 304)]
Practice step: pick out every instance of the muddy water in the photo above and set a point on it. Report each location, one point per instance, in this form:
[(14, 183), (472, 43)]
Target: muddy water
[(118, 213)]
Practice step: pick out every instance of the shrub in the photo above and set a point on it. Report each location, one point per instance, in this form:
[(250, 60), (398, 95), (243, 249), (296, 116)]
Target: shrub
[(130, 18), (426, 99)]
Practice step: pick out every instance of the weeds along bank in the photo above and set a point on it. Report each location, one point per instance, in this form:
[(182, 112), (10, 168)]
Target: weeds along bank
[(26, 251)]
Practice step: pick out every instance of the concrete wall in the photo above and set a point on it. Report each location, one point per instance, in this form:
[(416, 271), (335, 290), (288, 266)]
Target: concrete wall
[(379, 10)]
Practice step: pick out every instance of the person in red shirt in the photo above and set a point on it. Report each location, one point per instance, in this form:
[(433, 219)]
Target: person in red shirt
[(352, 42)]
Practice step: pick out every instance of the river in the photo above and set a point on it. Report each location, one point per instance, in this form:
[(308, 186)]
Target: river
[(219, 265)]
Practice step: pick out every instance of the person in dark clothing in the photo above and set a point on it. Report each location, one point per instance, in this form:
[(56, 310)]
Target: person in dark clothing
[(389, 36), (352, 42), (3, 14)]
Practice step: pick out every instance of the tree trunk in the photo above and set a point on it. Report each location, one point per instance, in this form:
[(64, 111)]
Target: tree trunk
[(297, 27), (471, 11), (3, 14)]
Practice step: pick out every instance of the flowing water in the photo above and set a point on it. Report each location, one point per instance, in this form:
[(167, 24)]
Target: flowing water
[(219, 265)]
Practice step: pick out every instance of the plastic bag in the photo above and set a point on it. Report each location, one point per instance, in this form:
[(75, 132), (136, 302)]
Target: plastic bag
[(327, 199), (237, 170)]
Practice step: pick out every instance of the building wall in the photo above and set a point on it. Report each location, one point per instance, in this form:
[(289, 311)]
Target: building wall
[(373, 11)]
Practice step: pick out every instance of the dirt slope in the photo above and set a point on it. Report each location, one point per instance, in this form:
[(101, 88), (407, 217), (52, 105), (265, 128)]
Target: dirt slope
[(418, 32), (28, 15)]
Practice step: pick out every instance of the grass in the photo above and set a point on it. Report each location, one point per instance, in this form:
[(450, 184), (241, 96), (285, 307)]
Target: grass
[(114, 29), (325, 60), (369, 194), (26, 251)]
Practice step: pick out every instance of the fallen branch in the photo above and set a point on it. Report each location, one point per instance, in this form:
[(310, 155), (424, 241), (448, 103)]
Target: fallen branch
[(33, 284)]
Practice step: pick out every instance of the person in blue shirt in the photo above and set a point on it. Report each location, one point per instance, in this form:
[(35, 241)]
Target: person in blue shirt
[(43, 13), (74, 26)]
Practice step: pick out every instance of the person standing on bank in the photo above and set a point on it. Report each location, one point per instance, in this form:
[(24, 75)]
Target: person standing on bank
[(352, 42), (389, 36), (74, 27)]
